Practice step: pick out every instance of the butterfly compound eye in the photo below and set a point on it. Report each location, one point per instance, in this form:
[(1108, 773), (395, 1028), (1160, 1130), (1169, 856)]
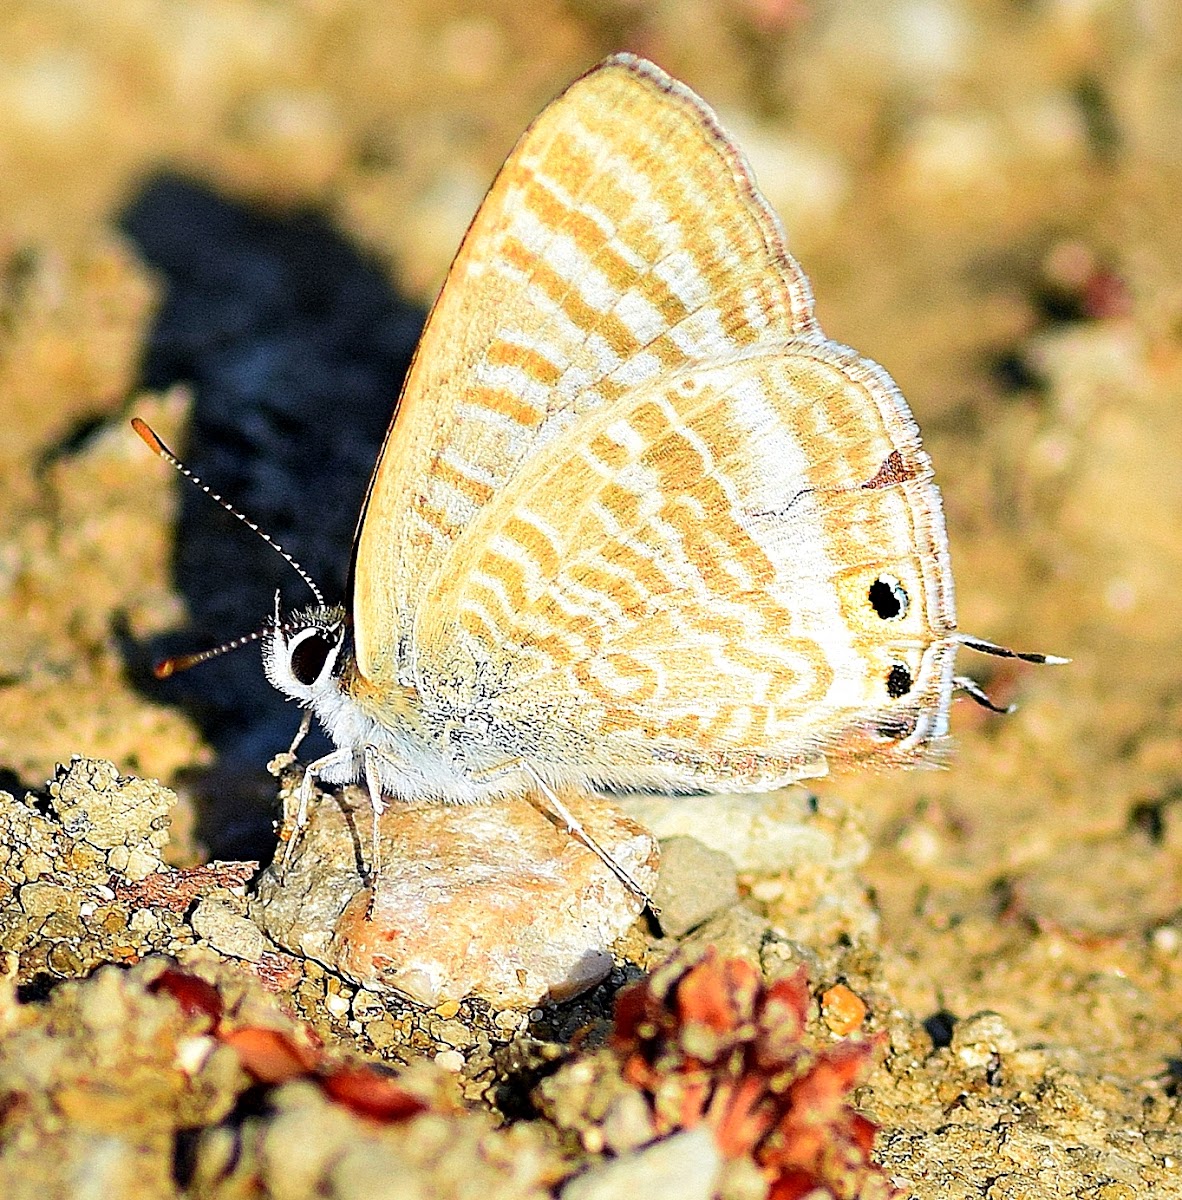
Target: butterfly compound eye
[(308, 656), (888, 597)]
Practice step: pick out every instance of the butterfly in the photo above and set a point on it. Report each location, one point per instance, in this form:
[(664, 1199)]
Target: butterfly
[(637, 522)]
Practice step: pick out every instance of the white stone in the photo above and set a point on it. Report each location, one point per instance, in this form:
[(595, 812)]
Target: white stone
[(685, 1166)]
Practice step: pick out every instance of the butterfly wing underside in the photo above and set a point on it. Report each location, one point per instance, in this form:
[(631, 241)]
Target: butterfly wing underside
[(599, 259), (632, 483)]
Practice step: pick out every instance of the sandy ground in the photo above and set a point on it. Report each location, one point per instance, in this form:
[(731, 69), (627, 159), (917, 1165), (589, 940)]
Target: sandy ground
[(985, 197)]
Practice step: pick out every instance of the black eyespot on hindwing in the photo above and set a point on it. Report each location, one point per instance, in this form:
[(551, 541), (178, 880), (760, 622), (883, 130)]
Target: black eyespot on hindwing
[(308, 657), (888, 597), (899, 681)]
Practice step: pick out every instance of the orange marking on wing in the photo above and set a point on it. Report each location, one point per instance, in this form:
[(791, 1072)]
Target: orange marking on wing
[(507, 572), (505, 402), (435, 517), (588, 237), (610, 453), (567, 158), (622, 274), (644, 678), (558, 288), (650, 423), (622, 503), (736, 325), (589, 630), (686, 728), (472, 489), (715, 725), (571, 648), (609, 390), (476, 626), (535, 543), (618, 589), (536, 365), (597, 691), (667, 352), (649, 577)]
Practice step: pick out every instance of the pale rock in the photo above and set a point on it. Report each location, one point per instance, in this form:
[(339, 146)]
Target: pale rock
[(126, 817), (228, 931), (979, 1039), (450, 1060), (694, 883), (489, 900), (685, 1165)]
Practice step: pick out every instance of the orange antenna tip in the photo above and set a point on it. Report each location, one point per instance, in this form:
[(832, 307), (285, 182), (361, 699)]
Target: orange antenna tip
[(164, 668), (148, 436)]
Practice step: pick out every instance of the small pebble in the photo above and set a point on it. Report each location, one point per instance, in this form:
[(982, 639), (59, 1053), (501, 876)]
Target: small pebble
[(695, 882), (978, 1039), (684, 1166), (450, 1060), (842, 1010), (228, 931), (337, 1005)]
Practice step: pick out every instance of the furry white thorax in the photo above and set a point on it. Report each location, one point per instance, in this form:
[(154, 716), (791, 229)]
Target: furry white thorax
[(411, 762)]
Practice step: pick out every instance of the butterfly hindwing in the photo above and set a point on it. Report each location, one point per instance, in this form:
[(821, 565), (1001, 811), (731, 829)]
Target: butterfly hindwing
[(674, 574)]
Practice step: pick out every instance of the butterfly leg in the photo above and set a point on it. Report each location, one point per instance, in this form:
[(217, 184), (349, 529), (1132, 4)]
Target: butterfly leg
[(373, 783), (311, 771), (575, 828), (301, 733)]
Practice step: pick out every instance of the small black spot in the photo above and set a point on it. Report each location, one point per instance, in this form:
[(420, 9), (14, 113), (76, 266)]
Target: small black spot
[(888, 597), (993, 1070), (309, 656), (939, 1028), (1149, 819), (899, 681)]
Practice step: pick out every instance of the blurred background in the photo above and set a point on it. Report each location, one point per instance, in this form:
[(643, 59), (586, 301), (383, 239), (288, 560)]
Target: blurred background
[(229, 217)]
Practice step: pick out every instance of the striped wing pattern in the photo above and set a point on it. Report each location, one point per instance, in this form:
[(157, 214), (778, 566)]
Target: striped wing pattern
[(634, 501), (592, 267)]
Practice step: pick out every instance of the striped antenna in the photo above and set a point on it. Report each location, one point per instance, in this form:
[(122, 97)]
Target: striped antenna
[(984, 647), (182, 662), (162, 451)]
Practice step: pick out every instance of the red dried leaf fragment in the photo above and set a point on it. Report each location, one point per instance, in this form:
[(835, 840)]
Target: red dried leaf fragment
[(708, 1042), (176, 889), (370, 1094), (195, 995), (269, 1055), (273, 1056)]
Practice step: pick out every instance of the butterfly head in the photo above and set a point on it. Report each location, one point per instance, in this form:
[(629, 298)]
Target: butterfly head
[(304, 655)]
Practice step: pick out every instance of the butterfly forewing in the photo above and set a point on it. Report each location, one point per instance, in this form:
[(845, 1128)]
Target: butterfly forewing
[(621, 240)]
